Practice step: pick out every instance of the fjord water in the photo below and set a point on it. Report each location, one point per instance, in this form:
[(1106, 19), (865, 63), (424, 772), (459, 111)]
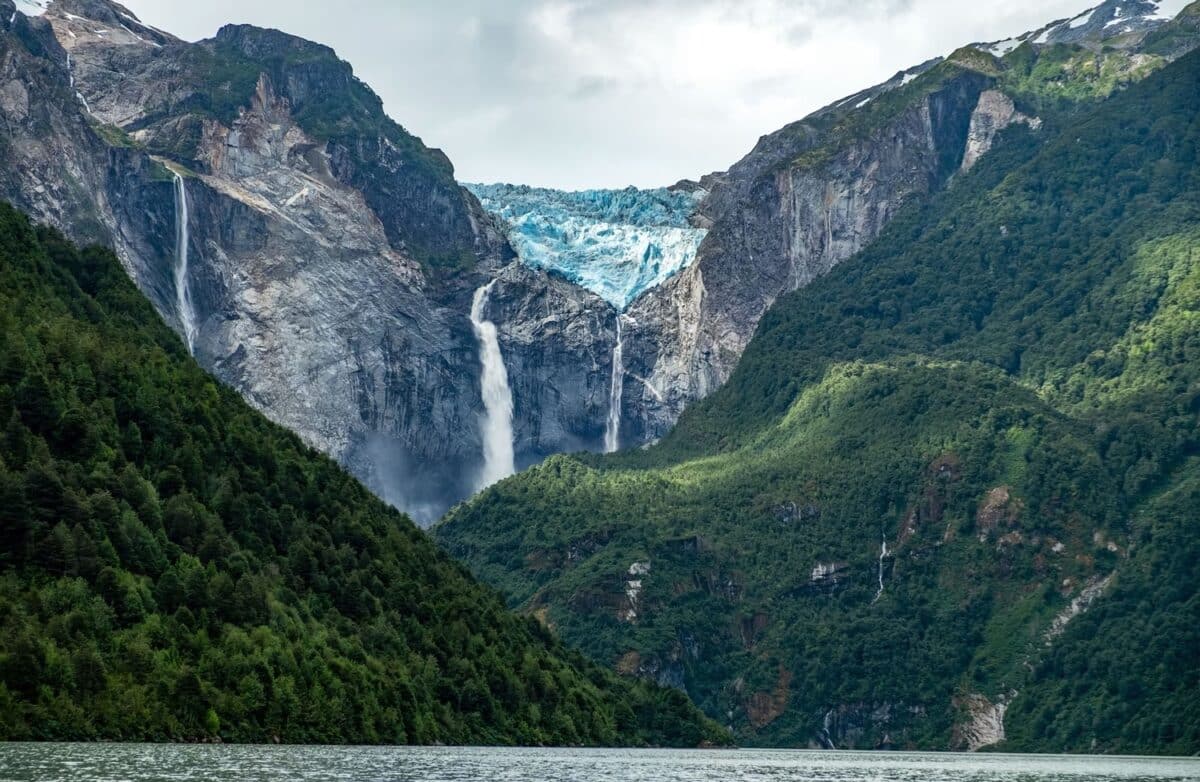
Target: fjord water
[(186, 762)]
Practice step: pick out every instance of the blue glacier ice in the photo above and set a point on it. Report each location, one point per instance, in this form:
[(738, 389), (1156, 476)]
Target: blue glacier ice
[(615, 243)]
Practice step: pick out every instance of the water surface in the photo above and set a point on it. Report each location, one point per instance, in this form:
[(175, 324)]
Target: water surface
[(184, 763)]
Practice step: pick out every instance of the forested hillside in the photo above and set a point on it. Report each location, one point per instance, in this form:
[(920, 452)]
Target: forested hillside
[(951, 485), (173, 566)]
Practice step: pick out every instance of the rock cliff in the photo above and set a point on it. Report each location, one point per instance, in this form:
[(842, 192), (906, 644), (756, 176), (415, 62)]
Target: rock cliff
[(331, 255)]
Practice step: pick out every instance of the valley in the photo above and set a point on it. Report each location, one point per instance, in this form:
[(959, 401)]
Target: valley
[(884, 437)]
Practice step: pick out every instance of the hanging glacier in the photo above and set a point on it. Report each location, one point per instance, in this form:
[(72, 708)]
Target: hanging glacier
[(615, 243)]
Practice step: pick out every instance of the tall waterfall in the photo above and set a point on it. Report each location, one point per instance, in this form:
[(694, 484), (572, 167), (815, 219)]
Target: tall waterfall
[(497, 427), (612, 429), (183, 289)]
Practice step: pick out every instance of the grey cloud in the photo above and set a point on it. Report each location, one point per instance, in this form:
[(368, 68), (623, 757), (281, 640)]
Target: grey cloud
[(593, 86), (478, 79), (799, 34)]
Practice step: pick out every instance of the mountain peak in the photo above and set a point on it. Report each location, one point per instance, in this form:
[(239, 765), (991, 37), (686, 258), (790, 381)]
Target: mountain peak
[(1120, 23), (264, 42), (94, 20)]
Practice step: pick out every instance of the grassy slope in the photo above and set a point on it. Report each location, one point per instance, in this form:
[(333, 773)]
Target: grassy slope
[(1030, 334), (172, 565)]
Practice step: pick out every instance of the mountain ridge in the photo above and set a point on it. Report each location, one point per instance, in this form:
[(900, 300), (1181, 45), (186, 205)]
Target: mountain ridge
[(889, 528)]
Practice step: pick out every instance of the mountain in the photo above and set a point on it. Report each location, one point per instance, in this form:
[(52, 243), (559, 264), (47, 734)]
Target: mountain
[(812, 194), (325, 263), (321, 260), (174, 566), (947, 498)]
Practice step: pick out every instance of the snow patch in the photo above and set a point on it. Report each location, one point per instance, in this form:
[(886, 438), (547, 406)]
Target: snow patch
[(32, 7), (1045, 36), (1001, 48), (1082, 19), (862, 102), (615, 243)]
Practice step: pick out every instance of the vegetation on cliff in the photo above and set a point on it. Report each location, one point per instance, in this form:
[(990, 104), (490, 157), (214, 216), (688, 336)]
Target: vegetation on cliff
[(925, 467)]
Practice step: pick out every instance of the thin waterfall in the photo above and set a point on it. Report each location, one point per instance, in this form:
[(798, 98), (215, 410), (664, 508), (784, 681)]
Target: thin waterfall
[(497, 425), (612, 429), (883, 552), (183, 289)]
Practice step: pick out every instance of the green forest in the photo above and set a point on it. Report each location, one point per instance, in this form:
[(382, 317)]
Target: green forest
[(174, 566), (923, 466)]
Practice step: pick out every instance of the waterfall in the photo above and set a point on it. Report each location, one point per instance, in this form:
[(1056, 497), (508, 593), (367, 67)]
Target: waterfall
[(497, 424), (883, 552), (183, 289), (612, 429)]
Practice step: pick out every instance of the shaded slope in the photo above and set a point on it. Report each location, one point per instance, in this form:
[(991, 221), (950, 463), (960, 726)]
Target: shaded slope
[(174, 566)]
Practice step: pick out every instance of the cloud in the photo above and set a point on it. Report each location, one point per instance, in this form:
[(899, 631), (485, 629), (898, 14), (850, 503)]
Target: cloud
[(593, 86), (578, 93)]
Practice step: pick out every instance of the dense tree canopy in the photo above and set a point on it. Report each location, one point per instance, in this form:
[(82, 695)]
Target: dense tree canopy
[(172, 565)]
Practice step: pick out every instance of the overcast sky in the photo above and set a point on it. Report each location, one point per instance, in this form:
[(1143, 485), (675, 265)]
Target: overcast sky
[(608, 93)]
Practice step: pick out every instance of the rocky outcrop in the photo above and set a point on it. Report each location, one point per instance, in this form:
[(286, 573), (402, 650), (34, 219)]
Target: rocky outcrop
[(53, 160), (806, 198), (1091, 592), (557, 340), (982, 722), (332, 256), (994, 112)]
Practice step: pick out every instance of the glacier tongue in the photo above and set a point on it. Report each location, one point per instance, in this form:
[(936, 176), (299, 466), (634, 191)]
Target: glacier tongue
[(615, 243)]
